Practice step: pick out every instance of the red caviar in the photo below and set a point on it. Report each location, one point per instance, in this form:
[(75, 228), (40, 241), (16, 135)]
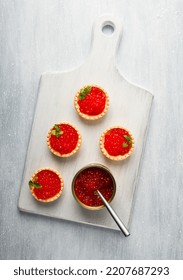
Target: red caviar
[(50, 184), (67, 141), (94, 102), (117, 141), (89, 181)]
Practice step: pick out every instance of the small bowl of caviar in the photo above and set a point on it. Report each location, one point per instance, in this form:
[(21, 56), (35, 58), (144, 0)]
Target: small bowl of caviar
[(88, 180)]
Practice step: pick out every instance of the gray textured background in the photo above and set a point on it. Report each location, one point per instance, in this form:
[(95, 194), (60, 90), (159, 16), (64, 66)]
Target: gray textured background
[(44, 35)]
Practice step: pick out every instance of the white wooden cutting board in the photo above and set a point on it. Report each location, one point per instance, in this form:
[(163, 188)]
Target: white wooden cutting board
[(129, 107)]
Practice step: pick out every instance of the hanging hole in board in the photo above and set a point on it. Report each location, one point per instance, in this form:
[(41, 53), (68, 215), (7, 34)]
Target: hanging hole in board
[(108, 28)]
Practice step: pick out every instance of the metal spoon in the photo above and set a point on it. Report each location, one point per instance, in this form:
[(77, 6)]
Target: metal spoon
[(114, 215)]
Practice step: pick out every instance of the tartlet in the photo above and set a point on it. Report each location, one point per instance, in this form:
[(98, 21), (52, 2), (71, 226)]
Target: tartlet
[(117, 143), (46, 185), (64, 139), (91, 102)]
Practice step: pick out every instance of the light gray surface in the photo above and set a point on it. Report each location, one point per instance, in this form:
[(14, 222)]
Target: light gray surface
[(54, 35), (129, 106)]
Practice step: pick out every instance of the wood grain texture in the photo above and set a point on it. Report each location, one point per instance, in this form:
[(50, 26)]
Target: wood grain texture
[(129, 107), (55, 36)]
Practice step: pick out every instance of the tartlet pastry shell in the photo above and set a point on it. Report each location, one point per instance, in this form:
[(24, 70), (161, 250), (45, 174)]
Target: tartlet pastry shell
[(56, 152), (120, 157), (88, 117), (55, 196)]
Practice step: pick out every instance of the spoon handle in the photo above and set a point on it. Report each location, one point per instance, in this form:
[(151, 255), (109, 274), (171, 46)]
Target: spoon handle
[(114, 215)]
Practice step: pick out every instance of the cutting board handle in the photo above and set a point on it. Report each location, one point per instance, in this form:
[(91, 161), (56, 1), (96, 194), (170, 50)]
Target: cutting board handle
[(104, 46)]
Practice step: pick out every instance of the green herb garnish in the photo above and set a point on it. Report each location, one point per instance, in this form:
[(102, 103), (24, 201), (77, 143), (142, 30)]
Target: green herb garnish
[(57, 131), (129, 139), (35, 185), (125, 145), (84, 91)]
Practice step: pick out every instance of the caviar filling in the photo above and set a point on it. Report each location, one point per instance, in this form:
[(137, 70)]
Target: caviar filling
[(64, 138), (89, 181), (92, 101), (46, 184), (117, 141)]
